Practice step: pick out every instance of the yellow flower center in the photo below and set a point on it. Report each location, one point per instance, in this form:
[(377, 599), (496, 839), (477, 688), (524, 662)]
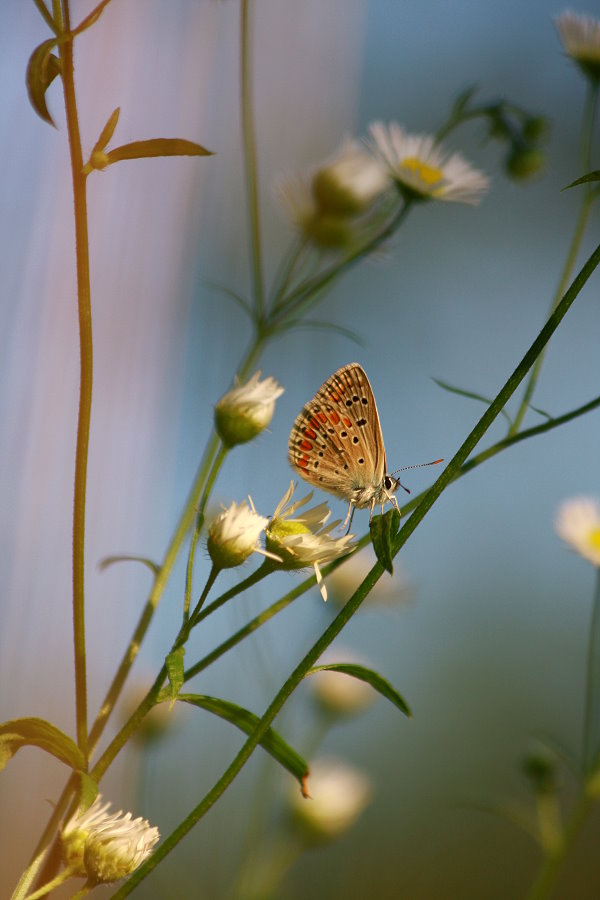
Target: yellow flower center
[(429, 175), (594, 538)]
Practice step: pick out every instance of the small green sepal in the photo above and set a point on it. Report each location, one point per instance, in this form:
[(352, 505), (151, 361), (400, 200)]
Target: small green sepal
[(376, 681), (174, 664), (383, 531), (32, 731), (42, 69)]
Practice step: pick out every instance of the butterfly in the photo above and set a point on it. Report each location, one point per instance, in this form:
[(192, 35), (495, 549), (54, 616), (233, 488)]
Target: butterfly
[(336, 443)]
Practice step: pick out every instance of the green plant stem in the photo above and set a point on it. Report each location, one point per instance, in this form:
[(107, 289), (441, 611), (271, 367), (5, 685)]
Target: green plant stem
[(369, 582), (299, 298), (85, 384), (91, 18), (263, 570), (580, 225), (591, 735), (217, 463), (56, 882), (46, 16), (250, 164), (544, 883)]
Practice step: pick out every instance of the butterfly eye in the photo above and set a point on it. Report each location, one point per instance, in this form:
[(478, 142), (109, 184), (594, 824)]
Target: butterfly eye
[(387, 481)]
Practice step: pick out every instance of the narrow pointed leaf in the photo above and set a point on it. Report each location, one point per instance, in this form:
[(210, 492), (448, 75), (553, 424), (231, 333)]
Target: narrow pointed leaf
[(246, 721), (376, 681), (110, 560), (42, 69), (585, 179), (92, 18), (35, 732), (463, 99), (383, 531), (541, 412), (108, 130), (471, 395), (157, 147), (326, 326), (174, 664)]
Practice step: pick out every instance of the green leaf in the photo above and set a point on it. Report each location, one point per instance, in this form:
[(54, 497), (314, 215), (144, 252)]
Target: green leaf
[(541, 412), (326, 326), (246, 721), (110, 560), (42, 69), (383, 531), (108, 130), (18, 733), (157, 147), (585, 179), (463, 99), (376, 681), (174, 664), (470, 394)]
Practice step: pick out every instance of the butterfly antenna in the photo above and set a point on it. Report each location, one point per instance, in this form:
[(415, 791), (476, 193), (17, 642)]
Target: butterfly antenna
[(417, 466)]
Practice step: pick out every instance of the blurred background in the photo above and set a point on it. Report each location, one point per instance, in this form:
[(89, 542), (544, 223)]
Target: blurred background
[(488, 644)]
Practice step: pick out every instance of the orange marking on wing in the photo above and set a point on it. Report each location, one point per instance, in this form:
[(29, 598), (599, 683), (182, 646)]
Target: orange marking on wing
[(346, 421), (302, 462), (314, 423), (335, 397), (322, 416), (334, 418), (305, 445), (309, 433)]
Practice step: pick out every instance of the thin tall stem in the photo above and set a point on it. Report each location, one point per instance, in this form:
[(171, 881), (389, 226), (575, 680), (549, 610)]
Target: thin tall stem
[(591, 725), (85, 384), (587, 129), (250, 165)]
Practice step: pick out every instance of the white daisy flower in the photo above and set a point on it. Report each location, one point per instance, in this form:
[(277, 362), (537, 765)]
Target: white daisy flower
[(580, 36), (234, 535), (337, 795), (422, 169), (305, 540), (578, 524), (351, 182), (104, 846), (246, 410)]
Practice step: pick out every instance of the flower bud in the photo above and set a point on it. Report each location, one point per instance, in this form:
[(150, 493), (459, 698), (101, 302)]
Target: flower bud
[(234, 535), (103, 846), (246, 410), (524, 162), (337, 795), (580, 36), (350, 183), (578, 524)]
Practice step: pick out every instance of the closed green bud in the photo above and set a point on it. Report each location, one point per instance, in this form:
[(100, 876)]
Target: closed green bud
[(246, 410), (524, 162)]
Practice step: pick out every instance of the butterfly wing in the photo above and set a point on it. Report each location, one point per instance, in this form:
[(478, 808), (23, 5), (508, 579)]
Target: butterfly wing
[(336, 442)]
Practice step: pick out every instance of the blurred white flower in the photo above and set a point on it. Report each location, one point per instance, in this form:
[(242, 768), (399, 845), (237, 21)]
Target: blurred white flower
[(390, 590), (305, 540), (104, 846), (422, 169), (246, 410), (580, 36), (338, 693), (234, 535), (578, 524), (350, 182), (337, 795)]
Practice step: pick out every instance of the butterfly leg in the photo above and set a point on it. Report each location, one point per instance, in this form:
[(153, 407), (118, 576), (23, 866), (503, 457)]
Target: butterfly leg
[(349, 516)]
